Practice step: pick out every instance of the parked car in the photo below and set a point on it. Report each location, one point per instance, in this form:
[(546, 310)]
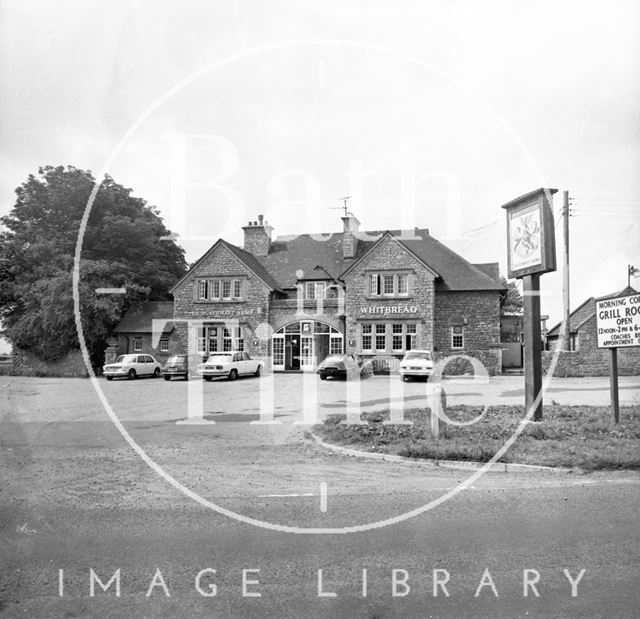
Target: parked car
[(131, 366), (229, 364), (416, 363), (344, 366), (176, 366)]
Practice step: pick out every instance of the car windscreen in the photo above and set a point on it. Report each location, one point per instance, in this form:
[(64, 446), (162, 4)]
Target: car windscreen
[(412, 356), (219, 359), (177, 359), (333, 360), (126, 359)]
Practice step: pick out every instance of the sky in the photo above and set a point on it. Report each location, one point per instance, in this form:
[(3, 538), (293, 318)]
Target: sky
[(428, 114)]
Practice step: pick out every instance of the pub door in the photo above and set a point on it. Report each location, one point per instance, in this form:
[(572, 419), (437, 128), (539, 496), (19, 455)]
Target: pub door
[(292, 352)]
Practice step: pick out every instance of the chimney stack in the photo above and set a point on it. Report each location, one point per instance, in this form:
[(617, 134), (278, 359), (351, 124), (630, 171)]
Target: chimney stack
[(350, 235), (257, 237)]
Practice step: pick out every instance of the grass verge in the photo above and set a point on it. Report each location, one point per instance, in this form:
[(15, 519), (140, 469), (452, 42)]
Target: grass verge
[(569, 436)]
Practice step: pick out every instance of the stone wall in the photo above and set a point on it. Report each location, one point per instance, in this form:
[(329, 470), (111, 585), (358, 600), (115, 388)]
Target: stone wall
[(26, 363), (478, 312), (589, 360)]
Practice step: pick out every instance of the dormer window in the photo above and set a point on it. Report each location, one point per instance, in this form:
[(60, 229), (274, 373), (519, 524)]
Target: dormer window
[(315, 290)]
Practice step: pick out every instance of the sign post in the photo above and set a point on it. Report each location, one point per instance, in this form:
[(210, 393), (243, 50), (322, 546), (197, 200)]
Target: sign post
[(617, 326), (531, 252)]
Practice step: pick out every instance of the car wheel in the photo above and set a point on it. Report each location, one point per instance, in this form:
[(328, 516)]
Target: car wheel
[(323, 377), (131, 375), (258, 370), (405, 379), (233, 374), (156, 373), (167, 377), (186, 376), (109, 377), (208, 378)]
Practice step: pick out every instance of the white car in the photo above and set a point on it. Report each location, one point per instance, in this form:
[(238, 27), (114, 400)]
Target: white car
[(229, 364), (131, 366), (418, 363)]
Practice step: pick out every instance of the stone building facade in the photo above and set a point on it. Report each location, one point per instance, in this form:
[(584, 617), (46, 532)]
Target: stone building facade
[(292, 301), (584, 357)]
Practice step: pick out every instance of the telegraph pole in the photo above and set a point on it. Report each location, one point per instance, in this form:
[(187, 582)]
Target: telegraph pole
[(566, 327)]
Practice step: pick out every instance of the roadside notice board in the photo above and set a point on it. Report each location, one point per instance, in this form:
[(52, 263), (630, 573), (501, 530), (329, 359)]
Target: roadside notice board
[(618, 322)]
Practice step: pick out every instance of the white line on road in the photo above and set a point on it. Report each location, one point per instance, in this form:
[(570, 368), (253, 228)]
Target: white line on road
[(268, 496)]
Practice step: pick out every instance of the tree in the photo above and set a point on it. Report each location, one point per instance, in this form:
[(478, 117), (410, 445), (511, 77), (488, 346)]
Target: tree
[(511, 299), (121, 249)]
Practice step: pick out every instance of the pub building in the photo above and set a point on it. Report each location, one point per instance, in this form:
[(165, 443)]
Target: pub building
[(294, 300)]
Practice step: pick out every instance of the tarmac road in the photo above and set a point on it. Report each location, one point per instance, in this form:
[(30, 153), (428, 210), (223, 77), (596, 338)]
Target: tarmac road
[(75, 497)]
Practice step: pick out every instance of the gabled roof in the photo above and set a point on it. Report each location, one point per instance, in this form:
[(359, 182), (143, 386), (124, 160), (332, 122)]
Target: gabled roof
[(139, 318), (454, 272), (319, 257), (249, 260), (585, 311)]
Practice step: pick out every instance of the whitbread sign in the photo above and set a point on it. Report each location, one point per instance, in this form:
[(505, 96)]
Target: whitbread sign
[(618, 322)]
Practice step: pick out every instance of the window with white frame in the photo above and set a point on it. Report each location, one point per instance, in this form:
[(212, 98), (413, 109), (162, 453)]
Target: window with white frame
[(411, 336), (402, 284), (278, 350), (315, 290), (374, 284), (335, 346), (203, 287), (137, 343), (201, 340), (212, 334), (389, 284), (366, 337), (219, 289), (226, 289), (215, 289), (238, 340), (397, 343), (227, 339), (381, 336), (164, 344), (457, 337)]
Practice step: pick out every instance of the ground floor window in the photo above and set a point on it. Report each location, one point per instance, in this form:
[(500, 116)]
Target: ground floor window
[(457, 337), (396, 337), (217, 338), (302, 345), (164, 344), (137, 343)]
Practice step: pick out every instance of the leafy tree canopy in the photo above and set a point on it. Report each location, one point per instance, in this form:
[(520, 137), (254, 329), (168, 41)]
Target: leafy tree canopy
[(121, 249), (511, 300)]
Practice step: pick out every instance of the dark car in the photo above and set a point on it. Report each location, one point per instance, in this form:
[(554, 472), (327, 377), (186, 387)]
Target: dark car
[(178, 366), (344, 366)]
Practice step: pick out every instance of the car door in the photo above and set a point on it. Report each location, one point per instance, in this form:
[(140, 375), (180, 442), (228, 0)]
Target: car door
[(249, 363), (151, 364), (141, 365)]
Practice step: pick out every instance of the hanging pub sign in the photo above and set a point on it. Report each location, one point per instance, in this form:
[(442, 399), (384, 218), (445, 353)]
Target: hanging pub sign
[(530, 234)]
